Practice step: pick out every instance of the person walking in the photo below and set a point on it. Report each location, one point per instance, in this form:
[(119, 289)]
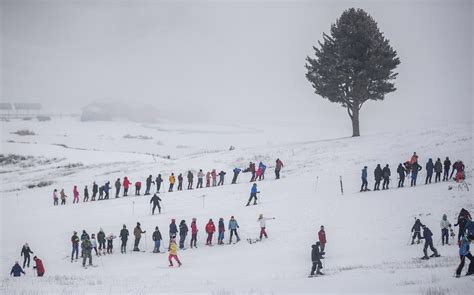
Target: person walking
[(236, 174), (75, 246), (138, 186), (126, 184), (17, 270), (158, 182), (106, 190), (233, 226), (322, 239), (221, 178), (316, 260), (190, 180), (149, 182), (220, 231), (415, 168), (101, 240), (156, 204), (172, 180), (200, 176), (444, 224), (253, 195), (447, 166), (194, 232), (464, 252), (183, 232), (75, 193), (124, 238), (401, 175), (86, 194), (173, 250), (157, 240), (214, 177), (378, 177), (94, 245), (25, 252), (208, 179), (39, 267), (118, 185), (173, 229), (55, 197), (386, 177), (438, 168), (86, 247), (278, 166), (210, 229), (63, 197), (137, 232), (363, 187), (429, 170), (95, 189), (428, 237), (263, 224), (180, 182), (416, 230)]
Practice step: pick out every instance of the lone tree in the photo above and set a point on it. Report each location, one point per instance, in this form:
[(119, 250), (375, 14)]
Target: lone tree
[(354, 64)]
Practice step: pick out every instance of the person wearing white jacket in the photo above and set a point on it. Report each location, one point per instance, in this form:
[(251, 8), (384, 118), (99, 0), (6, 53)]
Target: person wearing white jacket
[(262, 221), (445, 224), (94, 244)]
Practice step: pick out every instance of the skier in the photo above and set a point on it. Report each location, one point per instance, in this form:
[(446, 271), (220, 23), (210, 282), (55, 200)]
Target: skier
[(17, 270), (148, 182), (101, 192), (200, 176), (117, 187), (447, 166), (463, 217), (236, 174), (233, 226), (316, 260), (190, 180), (262, 167), (221, 178), (86, 247), (158, 182), (84, 236), (173, 249), (39, 266), (214, 177), (253, 194), (95, 189), (415, 168), (137, 232), (138, 186), (86, 194), (180, 182), (210, 229), (378, 177), (444, 224), (101, 240), (429, 170), (262, 221), (401, 175), (106, 190), (428, 237), (416, 230), (172, 180), (463, 253), (194, 232), (386, 177), (208, 179), (63, 197), (183, 232), (75, 193), (220, 231), (438, 168), (75, 245), (25, 252), (110, 243), (156, 203), (124, 237), (55, 197), (278, 166), (126, 184), (173, 229), (322, 239), (94, 244), (157, 239), (363, 187)]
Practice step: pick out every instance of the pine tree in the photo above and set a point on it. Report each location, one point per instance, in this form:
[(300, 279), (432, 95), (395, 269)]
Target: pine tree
[(354, 64)]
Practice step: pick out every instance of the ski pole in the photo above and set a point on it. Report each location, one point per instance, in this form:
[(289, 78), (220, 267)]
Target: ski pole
[(317, 178), (342, 189)]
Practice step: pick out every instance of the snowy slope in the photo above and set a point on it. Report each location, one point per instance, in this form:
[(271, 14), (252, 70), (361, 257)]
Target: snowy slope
[(367, 232)]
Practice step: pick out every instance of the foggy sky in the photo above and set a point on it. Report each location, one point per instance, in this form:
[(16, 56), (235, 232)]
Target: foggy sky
[(229, 60)]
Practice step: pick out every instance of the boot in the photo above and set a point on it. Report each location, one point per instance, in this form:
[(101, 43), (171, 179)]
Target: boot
[(425, 257)]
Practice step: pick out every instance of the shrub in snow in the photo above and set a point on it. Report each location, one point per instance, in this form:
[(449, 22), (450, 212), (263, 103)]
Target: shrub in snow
[(42, 118), (24, 132), (40, 184)]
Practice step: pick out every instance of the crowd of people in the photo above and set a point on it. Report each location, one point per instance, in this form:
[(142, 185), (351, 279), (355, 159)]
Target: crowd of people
[(212, 178), (410, 169)]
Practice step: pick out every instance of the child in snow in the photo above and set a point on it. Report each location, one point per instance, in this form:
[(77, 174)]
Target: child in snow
[(463, 253), (194, 232), (63, 197), (316, 260), (157, 240), (262, 221), (210, 229), (76, 195), (110, 243), (173, 249), (253, 195), (39, 266), (417, 230)]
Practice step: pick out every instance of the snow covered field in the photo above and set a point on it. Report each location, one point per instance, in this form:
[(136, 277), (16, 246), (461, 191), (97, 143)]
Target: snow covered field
[(367, 249)]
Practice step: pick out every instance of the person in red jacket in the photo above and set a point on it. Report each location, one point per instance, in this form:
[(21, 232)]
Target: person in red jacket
[(76, 195), (39, 266), (126, 184), (210, 229), (322, 239), (138, 186), (194, 232)]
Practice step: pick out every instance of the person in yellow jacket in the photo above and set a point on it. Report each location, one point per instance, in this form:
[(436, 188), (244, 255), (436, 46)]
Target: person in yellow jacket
[(172, 181), (173, 249)]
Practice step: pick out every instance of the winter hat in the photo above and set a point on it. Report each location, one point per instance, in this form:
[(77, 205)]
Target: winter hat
[(156, 227), (232, 217), (173, 220), (260, 216), (194, 218), (138, 223)]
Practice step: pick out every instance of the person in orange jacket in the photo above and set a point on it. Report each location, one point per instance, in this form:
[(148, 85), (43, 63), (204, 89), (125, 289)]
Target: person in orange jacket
[(172, 181), (210, 229)]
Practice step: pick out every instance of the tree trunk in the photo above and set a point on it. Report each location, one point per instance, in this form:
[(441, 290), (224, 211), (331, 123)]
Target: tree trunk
[(355, 122)]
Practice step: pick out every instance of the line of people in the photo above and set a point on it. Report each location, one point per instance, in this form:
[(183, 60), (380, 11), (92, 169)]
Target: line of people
[(410, 169), (103, 192)]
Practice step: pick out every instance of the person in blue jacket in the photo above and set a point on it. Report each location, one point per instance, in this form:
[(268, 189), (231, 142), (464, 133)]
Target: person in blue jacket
[(262, 168), (236, 174), (233, 226), (253, 194), (17, 270), (415, 168), (363, 188), (106, 190), (428, 237), (463, 253)]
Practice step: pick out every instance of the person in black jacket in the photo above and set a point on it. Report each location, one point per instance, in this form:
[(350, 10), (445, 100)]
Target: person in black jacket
[(386, 177), (101, 240), (415, 168), (190, 180), (438, 168), (316, 260), (118, 185), (416, 230), (378, 177), (173, 229), (158, 182), (149, 181), (156, 203), (428, 237), (95, 189), (124, 237), (157, 239), (429, 171), (25, 252), (447, 166), (401, 175), (221, 178), (183, 232)]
